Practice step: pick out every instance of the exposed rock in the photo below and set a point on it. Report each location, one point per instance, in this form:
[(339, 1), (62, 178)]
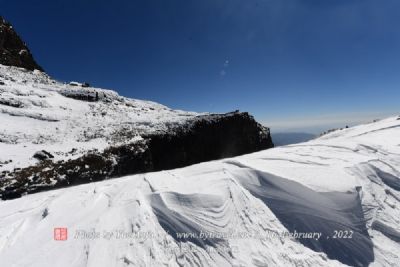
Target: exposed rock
[(201, 139), (89, 94), (207, 138), (11, 102), (43, 155), (13, 51)]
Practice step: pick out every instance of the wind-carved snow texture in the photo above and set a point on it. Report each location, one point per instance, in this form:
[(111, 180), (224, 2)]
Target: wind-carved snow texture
[(303, 210), (389, 179), (346, 180), (175, 223), (386, 230)]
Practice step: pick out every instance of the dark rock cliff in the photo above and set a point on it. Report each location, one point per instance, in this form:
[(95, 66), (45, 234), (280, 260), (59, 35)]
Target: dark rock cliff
[(209, 137), (13, 51), (201, 139)]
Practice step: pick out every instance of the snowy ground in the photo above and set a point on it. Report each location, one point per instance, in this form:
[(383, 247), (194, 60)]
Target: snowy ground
[(234, 212), (37, 112)]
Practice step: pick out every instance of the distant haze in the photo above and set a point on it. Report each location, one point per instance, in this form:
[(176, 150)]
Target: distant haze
[(282, 139), (316, 124)]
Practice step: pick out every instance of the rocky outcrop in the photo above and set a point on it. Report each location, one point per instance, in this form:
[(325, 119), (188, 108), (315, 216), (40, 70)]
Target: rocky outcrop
[(42, 155), (201, 139), (13, 51), (209, 137)]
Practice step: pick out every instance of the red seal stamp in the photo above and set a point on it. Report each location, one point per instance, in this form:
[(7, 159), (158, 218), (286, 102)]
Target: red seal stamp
[(60, 233)]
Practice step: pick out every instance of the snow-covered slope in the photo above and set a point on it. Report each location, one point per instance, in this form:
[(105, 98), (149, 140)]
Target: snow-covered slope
[(234, 212), (37, 112), (54, 134)]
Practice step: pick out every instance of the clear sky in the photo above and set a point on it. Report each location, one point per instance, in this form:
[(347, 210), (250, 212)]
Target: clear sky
[(295, 64)]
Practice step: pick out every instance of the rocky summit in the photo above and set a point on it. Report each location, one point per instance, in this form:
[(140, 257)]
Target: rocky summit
[(14, 51)]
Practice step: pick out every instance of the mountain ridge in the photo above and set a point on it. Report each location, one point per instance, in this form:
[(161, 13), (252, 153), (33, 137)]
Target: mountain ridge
[(14, 51)]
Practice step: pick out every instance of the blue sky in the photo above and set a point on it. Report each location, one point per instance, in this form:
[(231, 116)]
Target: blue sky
[(295, 64)]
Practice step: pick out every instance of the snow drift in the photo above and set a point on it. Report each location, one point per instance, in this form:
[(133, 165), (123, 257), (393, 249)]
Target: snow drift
[(243, 211)]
